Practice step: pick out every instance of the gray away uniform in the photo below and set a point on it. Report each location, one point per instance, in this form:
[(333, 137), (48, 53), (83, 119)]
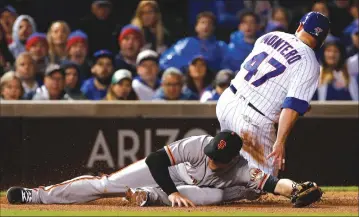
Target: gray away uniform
[(189, 172)]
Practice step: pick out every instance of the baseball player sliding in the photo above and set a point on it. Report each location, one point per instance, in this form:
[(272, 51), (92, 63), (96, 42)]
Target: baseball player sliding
[(199, 170), (273, 86)]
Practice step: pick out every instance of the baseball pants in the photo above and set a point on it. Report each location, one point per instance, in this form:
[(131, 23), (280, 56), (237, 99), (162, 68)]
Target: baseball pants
[(257, 131), (87, 188)]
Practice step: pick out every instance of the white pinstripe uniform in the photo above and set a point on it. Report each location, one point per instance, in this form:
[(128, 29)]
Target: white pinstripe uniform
[(280, 72)]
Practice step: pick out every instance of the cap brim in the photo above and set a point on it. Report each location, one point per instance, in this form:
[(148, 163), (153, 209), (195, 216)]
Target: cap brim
[(207, 150)]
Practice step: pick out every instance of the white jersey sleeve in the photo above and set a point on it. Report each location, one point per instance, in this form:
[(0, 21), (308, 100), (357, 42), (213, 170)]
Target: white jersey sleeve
[(302, 86), (187, 150)]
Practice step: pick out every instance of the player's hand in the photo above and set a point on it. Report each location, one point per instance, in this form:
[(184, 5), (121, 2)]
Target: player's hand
[(278, 154), (177, 198)]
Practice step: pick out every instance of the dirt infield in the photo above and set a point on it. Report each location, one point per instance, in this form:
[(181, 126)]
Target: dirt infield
[(340, 203)]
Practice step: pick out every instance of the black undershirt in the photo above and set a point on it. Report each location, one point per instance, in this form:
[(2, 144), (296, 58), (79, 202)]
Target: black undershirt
[(158, 163)]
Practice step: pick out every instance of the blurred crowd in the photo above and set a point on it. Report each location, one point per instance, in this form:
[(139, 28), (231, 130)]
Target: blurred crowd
[(82, 64)]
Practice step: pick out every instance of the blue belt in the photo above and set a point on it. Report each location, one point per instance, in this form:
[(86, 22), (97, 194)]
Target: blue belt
[(234, 90)]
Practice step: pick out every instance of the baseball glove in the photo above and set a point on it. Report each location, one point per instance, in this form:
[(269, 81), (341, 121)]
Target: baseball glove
[(306, 193)]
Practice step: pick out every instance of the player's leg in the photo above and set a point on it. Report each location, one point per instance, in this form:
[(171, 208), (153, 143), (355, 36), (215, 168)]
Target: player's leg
[(199, 196), (86, 188)]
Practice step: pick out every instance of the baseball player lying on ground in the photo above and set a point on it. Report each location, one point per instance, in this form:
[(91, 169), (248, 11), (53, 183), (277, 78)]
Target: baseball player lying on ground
[(199, 170)]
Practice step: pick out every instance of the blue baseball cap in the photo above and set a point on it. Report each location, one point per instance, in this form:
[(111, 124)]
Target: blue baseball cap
[(103, 53), (317, 25)]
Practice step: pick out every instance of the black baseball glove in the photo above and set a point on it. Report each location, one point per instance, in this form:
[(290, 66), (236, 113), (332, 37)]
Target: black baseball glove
[(306, 193)]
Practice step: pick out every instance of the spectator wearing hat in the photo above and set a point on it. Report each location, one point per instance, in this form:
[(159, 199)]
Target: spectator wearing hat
[(72, 80), (25, 71), (198, 77), (8, 16), (147, 82), (242, 41), (37, 46), (23, 27), (222, 81), (76, 47), (10, 87), (172, 87), (204, 44), (130, 41), (121, 86), (95, 88), (99, 26), (53, 88)]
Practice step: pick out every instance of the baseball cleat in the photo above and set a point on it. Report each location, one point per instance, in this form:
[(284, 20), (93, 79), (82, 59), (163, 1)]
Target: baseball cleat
[(137, 197), (19, 195)]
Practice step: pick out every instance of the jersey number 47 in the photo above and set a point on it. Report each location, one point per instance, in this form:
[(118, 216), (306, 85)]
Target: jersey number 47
[(252, 67)]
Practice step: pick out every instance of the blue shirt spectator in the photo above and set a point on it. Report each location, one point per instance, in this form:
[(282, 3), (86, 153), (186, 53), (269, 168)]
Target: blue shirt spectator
[(242, 41), (222, 81), (204, 44), (172, 87), (95, 88)]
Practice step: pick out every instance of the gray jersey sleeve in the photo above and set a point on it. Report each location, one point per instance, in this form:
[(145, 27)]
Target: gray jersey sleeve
[(187, 150)]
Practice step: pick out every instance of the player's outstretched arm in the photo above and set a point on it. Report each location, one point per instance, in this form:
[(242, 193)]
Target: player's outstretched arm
[(158, 163)]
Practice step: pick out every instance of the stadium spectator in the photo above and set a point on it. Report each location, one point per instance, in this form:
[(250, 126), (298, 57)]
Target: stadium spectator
[(6, 58), (281, 15), (198, 77), (57, 37), (8, 16), (23, 27), (242, 41), (335, 82), (339, 15), (352, 62), (147, 82), (53, 88), (222, 81), (172, 87), (95, 88), (38, 48), (121, 86), (204, 44), (72, 80), (130, 41), (10, 87), (354, 24), (149, 19), (77, 49), (99, 26), (353, 48), (25, 71)]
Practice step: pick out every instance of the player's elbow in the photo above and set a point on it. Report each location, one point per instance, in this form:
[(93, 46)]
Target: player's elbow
[(295, 104)]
